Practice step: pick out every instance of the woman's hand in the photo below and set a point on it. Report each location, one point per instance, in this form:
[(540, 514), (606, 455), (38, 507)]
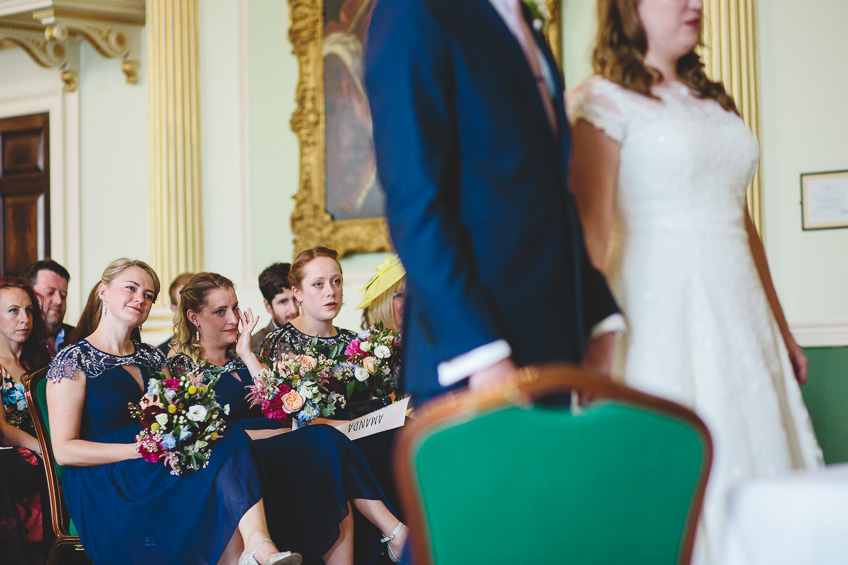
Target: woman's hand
[(248, 323)]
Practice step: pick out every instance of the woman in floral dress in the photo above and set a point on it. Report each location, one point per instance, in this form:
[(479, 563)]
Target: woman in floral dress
[(24, 527)]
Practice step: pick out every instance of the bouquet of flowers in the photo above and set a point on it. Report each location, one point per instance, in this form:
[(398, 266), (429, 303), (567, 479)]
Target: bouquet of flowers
[(180, 420), (303, 386), (376, 355)]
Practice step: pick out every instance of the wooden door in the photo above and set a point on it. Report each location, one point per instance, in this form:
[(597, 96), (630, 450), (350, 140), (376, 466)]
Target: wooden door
[(24, 191)]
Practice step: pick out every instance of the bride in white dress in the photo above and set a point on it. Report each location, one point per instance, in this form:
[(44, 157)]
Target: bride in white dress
[(660, 165)]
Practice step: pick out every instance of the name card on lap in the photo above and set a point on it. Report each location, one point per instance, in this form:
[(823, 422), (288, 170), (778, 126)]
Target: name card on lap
[(388, 418)]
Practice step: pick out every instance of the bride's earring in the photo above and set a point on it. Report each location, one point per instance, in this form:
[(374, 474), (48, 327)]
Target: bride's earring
[(197, 334), (104, 311)]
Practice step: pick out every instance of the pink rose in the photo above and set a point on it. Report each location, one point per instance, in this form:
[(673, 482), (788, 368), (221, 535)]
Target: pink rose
[(171, 384), (151, 451), (273, 408), (369, 364), (292, 401), (308, 362), (353, 347)]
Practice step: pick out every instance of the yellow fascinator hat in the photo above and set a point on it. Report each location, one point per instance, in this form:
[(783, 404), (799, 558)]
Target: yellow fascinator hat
[(389, 272)]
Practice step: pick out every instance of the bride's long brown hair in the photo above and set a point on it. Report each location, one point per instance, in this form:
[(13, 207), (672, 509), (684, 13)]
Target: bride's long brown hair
[(619, 56)]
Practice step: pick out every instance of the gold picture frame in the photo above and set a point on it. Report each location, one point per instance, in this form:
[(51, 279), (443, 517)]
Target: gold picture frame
[(318, 219)]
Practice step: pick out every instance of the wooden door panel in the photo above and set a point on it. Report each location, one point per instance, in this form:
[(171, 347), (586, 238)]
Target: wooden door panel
[(20, 235), (24, 191), (22, 153)]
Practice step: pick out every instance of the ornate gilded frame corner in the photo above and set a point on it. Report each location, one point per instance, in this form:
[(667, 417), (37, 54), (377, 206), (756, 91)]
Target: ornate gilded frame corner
[(311, 223)]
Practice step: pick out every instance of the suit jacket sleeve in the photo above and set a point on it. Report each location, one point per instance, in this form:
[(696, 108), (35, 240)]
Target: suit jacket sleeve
[(409, 80)]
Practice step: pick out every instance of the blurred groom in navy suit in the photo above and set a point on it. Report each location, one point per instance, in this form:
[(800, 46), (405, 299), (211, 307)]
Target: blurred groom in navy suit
[(472, 150)]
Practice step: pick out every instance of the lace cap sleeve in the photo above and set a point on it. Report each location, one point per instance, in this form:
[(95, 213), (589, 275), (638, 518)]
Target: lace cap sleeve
[(81, 356), (180, 364), (66, 363), (277, 344), (598, 101)]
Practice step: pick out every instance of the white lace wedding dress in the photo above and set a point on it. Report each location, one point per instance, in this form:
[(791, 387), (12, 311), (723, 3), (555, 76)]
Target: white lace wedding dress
[(700, 329)]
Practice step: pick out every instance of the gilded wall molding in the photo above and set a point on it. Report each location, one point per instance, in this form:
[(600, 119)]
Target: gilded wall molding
[(50, 32), (312, 224), (45, 51), (110, 38), (731, 55)]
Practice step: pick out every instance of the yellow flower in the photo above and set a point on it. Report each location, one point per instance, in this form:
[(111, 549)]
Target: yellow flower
[(172, 409), (154, 426), (192, 389)]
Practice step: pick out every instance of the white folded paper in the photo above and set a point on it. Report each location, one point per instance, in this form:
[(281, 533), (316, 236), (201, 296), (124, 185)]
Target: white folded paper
[(390, 417)]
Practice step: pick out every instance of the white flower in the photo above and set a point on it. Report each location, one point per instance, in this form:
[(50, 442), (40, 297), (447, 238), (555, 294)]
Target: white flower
[(227, 409), (382, 351), (360, 374), (162, 419), (196, 413), (365, 346)]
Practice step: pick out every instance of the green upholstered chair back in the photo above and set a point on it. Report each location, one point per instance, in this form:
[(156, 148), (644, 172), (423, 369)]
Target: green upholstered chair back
[(496, 478), (36, 394)]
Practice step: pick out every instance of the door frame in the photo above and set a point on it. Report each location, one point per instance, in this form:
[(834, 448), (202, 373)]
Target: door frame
[(47, 95)]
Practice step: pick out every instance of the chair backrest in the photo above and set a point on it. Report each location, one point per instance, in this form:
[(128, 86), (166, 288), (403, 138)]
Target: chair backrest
[(36, 389), (495, 477)]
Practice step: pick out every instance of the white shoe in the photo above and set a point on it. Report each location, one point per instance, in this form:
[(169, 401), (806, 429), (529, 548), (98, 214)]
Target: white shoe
[(386, 541), (282, 558)]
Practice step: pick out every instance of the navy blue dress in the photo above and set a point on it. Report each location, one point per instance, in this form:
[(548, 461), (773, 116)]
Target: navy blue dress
[(377, 448), (310, 473), (134, 511)]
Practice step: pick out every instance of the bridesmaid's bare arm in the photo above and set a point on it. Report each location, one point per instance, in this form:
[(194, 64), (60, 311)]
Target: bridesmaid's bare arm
[(65, 401), (592, 176)]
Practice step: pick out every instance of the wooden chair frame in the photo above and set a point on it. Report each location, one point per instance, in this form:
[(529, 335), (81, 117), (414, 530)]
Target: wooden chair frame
[(528, 384), (58, 511)]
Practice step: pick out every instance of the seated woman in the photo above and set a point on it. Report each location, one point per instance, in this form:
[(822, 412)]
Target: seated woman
[(315, 472), (316, 282), (23, 486), (382, 300), (126, 509)]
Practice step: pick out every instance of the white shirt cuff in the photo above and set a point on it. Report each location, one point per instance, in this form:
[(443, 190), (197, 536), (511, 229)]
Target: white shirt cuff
[(463, 366), (613, 323)]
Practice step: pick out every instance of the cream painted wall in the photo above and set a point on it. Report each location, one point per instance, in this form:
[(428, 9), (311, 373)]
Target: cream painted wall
[(578, 33), (804, 82), (113, 168)]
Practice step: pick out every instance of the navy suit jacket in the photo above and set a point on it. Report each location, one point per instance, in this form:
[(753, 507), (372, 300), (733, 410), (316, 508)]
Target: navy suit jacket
[(476, 194)]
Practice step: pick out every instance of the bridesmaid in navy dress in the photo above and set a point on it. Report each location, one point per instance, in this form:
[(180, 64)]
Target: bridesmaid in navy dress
[(126, 509), (314, 474), (316, 281)]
